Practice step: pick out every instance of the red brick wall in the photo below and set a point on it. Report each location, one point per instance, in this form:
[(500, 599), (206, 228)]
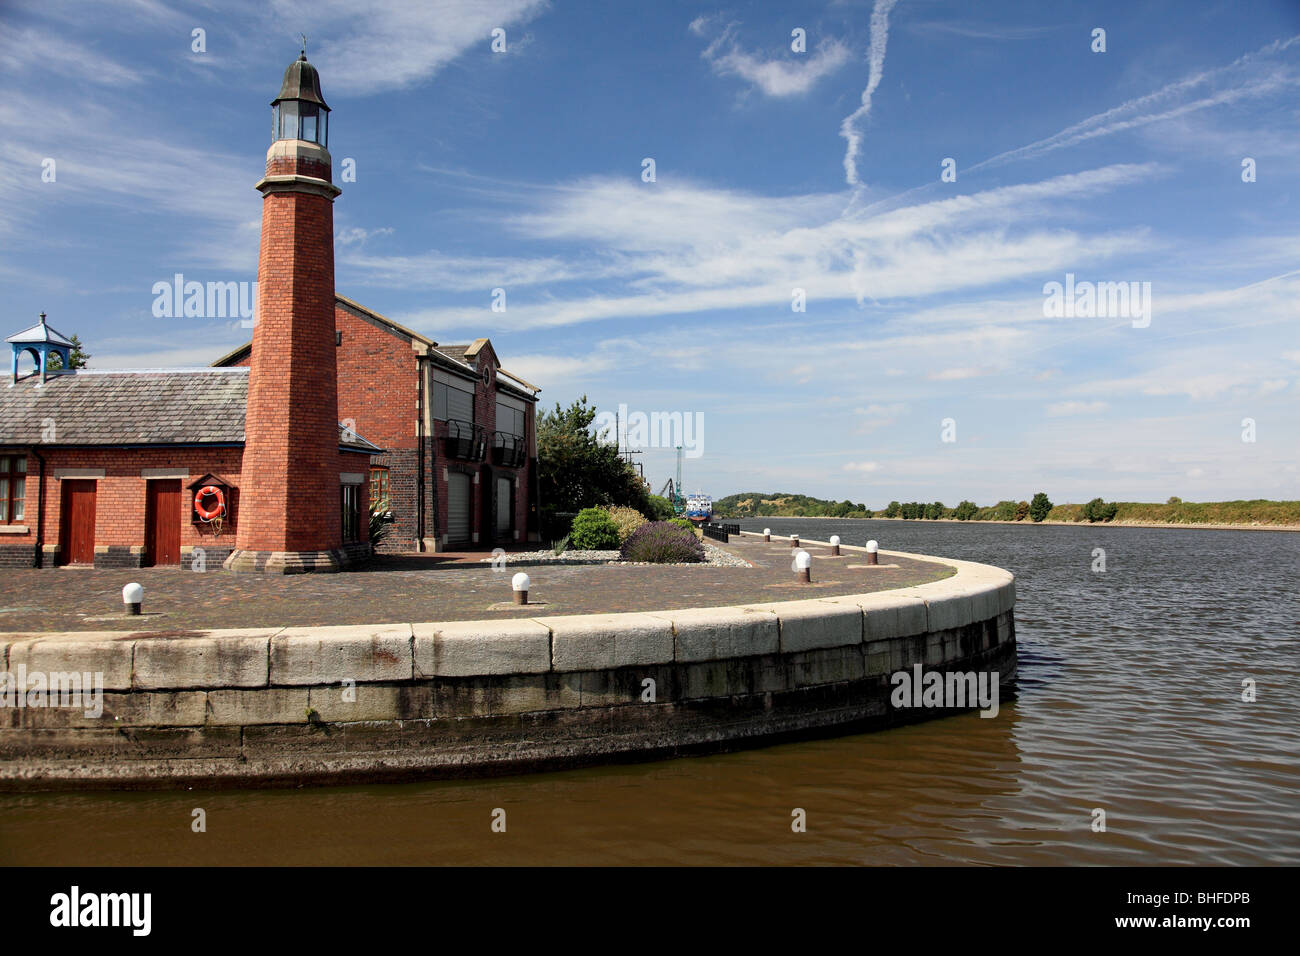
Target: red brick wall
[(120, 494), (378, 382), (291, 427)]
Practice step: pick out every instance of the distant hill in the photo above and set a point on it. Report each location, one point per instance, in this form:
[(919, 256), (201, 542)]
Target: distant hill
[(756, 504)]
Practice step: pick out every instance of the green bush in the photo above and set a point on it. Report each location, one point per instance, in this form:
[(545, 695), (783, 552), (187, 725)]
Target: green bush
[(965, 511), (682, 523), (1100, 510), (1039, 507), (660, 508), (626, 520), (594, 530)]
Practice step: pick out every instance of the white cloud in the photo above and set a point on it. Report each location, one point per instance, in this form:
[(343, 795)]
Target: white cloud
[(792, 75), (862, 467), (356, 235), (397, 44), (876, 70), (1058, 409)]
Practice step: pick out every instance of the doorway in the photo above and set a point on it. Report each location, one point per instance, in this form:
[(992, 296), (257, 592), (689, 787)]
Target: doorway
[(162, 523), (77, 522)]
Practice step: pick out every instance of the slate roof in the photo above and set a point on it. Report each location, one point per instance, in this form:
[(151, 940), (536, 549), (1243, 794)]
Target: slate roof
[(135, 407), (37, 334)]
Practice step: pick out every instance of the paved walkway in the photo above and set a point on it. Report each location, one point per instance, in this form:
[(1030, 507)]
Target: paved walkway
[(427, 587)]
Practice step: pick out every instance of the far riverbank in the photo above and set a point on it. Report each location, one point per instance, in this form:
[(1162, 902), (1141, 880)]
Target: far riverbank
[(1067, 524)]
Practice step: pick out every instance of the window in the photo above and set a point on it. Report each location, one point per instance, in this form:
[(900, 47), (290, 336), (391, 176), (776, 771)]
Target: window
[(351, 514), (13, 488), (510, 419), (379, 498), (453, 401)]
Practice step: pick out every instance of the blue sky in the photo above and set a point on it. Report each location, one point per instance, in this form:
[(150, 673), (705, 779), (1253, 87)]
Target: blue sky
[(774, 170)]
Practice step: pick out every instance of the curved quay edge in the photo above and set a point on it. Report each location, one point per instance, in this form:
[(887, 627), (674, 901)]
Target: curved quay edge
[(372, 703)]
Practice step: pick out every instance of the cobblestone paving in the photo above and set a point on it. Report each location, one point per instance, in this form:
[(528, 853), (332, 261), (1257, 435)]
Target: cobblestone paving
[(425, 587)]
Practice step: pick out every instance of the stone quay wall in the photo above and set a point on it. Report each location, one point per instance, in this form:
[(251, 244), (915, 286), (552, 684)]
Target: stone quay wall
[(391, 702)]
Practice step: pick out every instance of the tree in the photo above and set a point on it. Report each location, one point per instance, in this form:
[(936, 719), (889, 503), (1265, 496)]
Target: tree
[(893, 510), (965, 511), (1099, 510), (661, 508), (1174, 500), (1022, 510), (1004, 511), (935, 511), (79, 356), (1039, 507), (579, 469)]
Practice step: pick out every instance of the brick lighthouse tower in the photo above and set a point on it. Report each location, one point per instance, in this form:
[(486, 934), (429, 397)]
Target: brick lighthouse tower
[(290, 519)]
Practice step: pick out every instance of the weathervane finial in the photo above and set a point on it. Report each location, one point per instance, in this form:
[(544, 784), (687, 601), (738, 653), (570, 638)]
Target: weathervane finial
[(303, 37)]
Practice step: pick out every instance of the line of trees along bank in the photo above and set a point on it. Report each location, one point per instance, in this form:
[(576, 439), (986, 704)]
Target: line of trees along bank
[(1258, 511)]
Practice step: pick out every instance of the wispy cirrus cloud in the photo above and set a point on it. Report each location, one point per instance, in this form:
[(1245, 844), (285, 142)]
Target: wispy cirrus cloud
[(391, 46), (791, 75)]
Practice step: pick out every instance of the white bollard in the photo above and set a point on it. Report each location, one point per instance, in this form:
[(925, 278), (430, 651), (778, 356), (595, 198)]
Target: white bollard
[(767, 534), (872, 548), (133, 597), (520, 584), (835, 546), (803, 567)]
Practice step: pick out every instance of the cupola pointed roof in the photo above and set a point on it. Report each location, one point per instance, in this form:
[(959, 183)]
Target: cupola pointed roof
[(38, 334), (301, 82)]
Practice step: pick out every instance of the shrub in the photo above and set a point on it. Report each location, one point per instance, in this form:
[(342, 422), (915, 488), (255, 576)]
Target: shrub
[(660, 508), (594, 530), (626, 519), (662, 542), (965, 511), (1022, 510), (682, 523), (559, 547), (1099, 510), (1039, 507), (1004, 511), (381, 525)]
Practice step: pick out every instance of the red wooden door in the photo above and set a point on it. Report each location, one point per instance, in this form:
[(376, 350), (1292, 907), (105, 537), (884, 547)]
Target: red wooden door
[(162, 523), (77, 524)]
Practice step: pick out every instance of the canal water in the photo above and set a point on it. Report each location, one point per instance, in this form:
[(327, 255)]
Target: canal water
[(1130, 702)]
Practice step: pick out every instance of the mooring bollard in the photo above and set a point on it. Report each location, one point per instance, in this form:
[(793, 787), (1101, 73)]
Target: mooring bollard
[(872, 548), (803, 567), (835, 546), (520, 584), (767, 534), (794, 541), (133, 597)]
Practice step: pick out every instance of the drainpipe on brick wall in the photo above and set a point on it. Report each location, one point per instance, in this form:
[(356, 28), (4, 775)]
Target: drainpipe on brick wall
[(40, 513), (419, 445), (432, 441)]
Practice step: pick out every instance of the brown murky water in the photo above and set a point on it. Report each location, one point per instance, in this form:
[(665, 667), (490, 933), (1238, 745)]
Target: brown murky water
[(1130, 701)]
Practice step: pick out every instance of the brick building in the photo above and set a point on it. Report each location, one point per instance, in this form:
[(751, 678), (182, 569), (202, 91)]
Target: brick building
[(459, 432), (258, 463)]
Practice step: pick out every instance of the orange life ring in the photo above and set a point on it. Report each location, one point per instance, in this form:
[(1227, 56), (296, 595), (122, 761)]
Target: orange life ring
[(208, 491)]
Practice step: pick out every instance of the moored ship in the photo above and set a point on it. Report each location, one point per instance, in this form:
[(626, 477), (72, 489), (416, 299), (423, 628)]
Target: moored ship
[(699, 508)]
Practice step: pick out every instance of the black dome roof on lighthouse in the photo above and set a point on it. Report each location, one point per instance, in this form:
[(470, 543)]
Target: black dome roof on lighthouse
[(301, 82)]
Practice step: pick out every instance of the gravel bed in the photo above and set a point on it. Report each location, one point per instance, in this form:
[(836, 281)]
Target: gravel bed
[(714, 557)]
